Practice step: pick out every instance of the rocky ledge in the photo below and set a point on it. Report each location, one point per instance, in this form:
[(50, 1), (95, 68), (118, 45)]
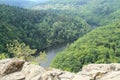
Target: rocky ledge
[(14, 69)]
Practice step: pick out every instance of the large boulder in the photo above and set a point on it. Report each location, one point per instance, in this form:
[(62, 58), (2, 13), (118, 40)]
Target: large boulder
[(11, 66), (101, 71), (31, 71)]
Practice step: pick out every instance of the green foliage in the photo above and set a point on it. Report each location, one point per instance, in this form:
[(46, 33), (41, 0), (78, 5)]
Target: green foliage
[(102, 45), (39, 58), (3, 56), (42, 55), (38, 29), (20, 50)]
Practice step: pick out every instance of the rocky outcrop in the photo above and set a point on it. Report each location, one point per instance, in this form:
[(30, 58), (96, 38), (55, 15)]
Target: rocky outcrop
[(101, 71), (11, 66), (14, 69)]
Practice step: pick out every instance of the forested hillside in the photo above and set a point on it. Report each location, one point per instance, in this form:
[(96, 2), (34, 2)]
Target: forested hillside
[(38, 29), (99, 46), (95, 12), (102, 45)]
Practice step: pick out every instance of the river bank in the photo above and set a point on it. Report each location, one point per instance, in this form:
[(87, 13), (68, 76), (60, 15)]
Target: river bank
[(51, 52)]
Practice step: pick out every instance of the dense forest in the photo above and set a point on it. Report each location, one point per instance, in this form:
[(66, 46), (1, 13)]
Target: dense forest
[(102, 45), (38, 29)]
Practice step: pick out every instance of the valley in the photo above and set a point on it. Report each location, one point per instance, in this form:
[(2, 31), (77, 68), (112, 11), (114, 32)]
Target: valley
[(91, 26)]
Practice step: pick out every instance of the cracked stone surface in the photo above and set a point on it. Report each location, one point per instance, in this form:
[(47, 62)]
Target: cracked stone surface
[(14, 69)]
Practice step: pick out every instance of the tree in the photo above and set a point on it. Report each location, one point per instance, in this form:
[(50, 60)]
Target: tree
[(20, 50), (3, 56)]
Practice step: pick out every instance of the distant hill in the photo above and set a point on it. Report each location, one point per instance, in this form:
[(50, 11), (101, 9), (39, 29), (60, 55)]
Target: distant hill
[(95, 12), (22, 3), (102, 45)]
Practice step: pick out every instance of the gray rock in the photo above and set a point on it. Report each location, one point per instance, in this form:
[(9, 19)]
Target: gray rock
[(31, 71), (55, 74), (11, 66), (14, 76), (14, 69), (114, 75), (81, 77)]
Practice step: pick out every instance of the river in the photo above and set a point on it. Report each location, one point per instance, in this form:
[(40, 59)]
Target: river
[(50, 54)]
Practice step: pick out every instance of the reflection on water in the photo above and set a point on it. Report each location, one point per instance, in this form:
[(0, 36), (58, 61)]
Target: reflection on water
[(51, 53)]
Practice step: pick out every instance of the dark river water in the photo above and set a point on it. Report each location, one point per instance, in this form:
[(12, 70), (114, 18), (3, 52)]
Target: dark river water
[(50, 54)]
